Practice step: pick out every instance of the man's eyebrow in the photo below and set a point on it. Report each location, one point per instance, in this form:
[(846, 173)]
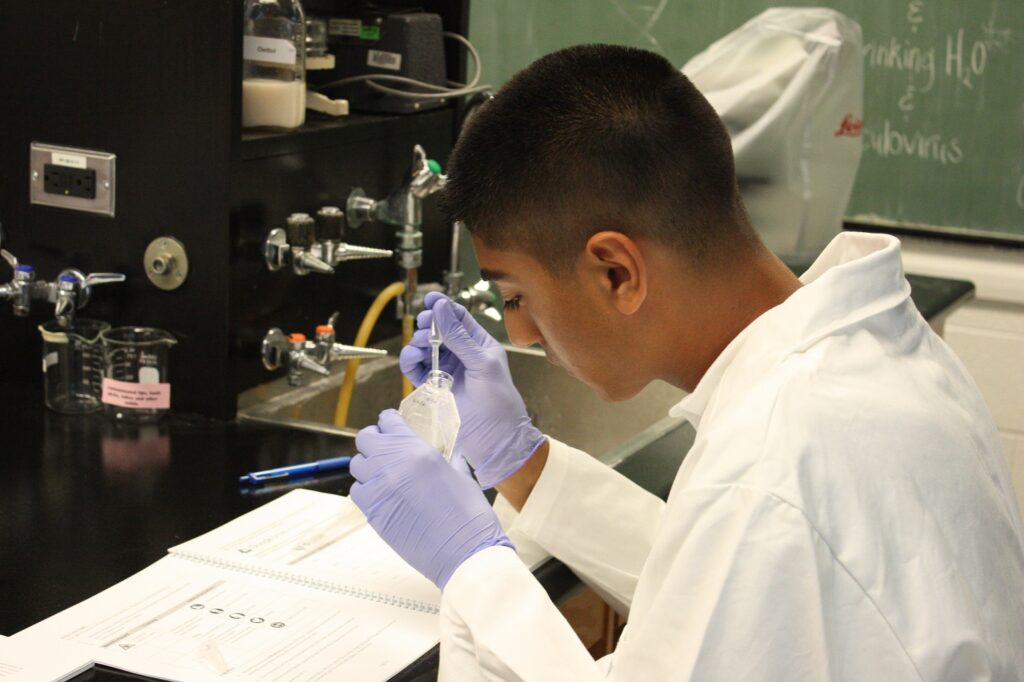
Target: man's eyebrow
[(494, 275)]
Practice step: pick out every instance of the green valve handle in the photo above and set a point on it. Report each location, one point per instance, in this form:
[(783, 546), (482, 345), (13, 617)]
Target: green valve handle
[(434, 166)]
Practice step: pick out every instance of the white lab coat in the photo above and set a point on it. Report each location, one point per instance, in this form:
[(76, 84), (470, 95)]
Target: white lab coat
[(845, 513)]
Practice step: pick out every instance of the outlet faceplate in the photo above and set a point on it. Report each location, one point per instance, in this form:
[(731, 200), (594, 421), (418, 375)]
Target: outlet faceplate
[(50, 166)]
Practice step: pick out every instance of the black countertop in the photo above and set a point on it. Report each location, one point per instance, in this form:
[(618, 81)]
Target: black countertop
[(85, 503)]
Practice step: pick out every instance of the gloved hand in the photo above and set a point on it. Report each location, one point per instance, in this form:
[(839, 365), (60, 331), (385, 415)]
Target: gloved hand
[(430, 512), (496, 435)]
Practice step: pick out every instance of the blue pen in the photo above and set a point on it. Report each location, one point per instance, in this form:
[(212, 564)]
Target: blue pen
[(295, 471)]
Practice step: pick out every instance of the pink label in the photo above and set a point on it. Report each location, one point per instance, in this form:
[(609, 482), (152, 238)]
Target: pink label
[(143, 396)]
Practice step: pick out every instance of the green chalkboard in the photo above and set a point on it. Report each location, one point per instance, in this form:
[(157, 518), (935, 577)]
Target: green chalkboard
[(943, 92)]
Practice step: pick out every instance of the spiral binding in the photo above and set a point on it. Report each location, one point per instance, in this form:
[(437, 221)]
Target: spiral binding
[(325, 585)]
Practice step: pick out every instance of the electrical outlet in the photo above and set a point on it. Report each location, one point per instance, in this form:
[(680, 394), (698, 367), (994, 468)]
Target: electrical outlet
[(67, 177), (69, 182)]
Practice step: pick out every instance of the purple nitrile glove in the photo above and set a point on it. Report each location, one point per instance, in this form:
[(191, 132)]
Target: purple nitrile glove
[(496, 435), (430, 512)]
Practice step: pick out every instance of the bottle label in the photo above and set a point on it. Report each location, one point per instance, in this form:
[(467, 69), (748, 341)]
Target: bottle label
[(349, 28), (273, 50), (130, 394)]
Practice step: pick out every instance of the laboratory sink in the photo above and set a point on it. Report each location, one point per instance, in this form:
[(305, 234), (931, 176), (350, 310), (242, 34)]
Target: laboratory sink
[(560, 405)]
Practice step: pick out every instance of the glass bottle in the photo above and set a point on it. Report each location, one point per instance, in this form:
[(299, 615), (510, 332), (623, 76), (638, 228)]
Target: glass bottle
[(431, 412), (273, 64)]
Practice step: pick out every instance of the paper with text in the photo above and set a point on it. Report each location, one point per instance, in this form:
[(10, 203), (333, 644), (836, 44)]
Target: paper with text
[(44, 660), (182, 620), (316, 537)]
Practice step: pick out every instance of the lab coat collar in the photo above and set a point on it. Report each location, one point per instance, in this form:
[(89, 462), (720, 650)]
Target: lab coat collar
[(858, 275)]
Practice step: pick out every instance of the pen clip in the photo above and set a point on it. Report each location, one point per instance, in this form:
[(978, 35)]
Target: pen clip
[(261, 478)]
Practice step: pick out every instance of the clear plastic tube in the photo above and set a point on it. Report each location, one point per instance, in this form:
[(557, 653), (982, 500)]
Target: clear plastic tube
[(435, 348)]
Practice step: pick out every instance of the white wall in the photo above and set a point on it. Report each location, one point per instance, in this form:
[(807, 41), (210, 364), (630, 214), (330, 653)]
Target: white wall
[(988, 332)]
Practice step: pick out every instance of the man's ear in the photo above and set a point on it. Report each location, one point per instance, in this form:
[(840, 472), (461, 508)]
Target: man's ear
[(618, 263)]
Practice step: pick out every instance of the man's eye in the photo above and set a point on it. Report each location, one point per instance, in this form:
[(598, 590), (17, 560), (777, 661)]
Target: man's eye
[(512, 304)]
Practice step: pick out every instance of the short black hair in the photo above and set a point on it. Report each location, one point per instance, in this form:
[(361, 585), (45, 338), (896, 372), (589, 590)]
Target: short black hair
[(592, 138)]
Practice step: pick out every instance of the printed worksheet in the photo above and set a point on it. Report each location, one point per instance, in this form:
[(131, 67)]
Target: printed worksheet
[(41, 661), (182, 620), (323, 539)]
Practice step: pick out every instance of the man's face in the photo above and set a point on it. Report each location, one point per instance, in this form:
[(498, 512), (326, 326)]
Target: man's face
[(565, 316)]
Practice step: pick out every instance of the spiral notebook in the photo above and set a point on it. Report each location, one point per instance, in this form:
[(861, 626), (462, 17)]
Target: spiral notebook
[(300, 588)]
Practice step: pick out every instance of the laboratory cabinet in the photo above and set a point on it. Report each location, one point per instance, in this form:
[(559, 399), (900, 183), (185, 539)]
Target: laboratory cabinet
[(158, 85)]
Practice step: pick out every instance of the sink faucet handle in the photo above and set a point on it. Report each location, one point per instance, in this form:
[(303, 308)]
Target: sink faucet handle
[(73, 289), (359, 208), (421, 163), (426, 175), (103, 278), (9, 257), (301, 230), (330, 224), (275, 349)]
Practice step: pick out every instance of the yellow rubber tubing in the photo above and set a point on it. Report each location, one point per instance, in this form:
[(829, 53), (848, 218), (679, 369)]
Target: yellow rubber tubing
[(362, 338)]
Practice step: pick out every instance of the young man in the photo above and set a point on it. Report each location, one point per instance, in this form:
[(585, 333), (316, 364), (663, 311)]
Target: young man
[(845, 512)]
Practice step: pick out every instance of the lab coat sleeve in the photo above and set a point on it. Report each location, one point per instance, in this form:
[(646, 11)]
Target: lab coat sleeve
[(736, 595), (593, 519), (494, 607)]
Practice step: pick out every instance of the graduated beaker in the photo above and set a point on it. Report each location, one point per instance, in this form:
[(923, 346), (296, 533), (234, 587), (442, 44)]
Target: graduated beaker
[(72, 365), (135, 386)]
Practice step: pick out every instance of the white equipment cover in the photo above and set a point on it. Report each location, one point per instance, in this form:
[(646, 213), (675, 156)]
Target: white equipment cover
[(789, 86)]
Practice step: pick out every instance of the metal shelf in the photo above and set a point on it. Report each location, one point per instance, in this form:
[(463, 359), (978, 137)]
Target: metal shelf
[(320, 132)]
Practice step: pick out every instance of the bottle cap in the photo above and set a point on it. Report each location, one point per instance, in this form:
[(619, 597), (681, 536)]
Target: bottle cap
[(296, 337), (324, 329)]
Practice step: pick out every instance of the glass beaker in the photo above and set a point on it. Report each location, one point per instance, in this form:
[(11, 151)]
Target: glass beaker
[(72, 365), (135, 386)]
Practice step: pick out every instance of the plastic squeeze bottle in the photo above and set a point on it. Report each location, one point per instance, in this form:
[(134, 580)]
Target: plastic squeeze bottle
[(430, 410)]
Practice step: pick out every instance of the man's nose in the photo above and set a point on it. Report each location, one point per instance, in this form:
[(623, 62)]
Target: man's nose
[(522, 332)]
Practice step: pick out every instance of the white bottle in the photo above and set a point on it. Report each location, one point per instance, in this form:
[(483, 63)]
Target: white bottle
[(431, 412), (274, 64)]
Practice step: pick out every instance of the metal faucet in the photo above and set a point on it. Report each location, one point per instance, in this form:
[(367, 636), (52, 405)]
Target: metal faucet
[(314, 245), (402, 208), (479, 298), (298, 355), (68, 293)]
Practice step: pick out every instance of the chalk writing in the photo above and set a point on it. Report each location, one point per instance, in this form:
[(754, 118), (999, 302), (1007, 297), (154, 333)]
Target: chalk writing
[(914, 16), (892, 142), (961, 66), (898, 55)]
